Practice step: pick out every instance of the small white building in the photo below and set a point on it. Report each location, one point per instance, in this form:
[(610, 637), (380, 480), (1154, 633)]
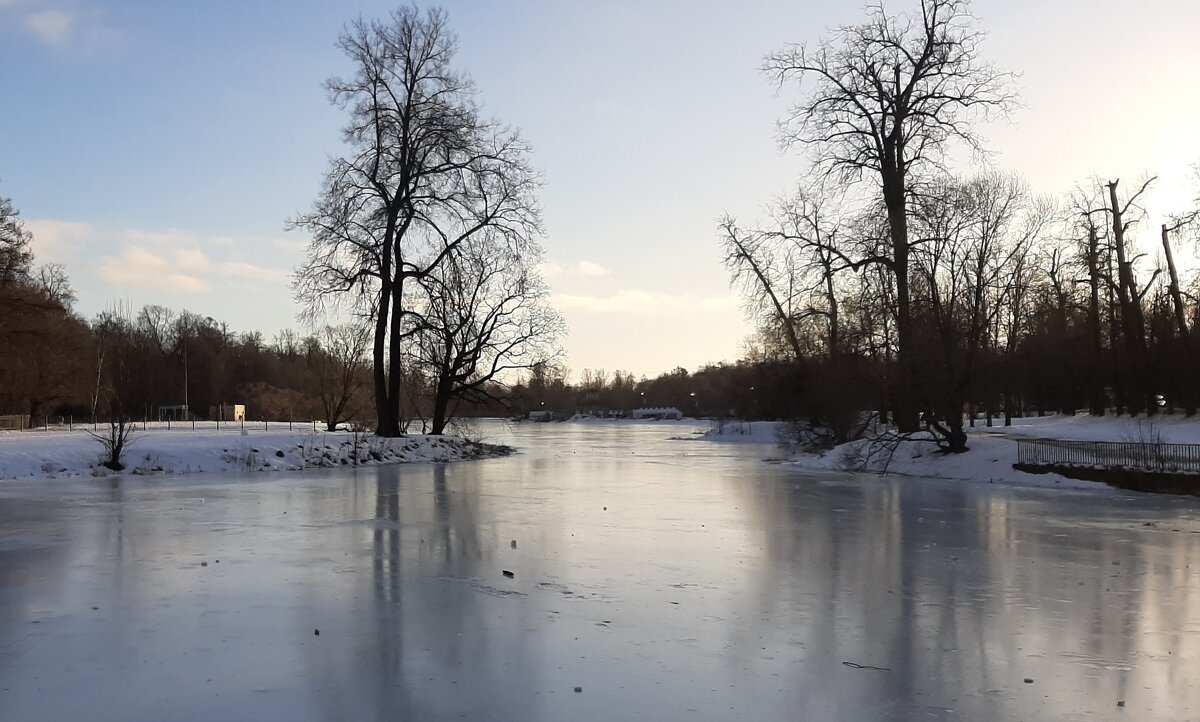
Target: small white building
[(227, 412), (657, 413)]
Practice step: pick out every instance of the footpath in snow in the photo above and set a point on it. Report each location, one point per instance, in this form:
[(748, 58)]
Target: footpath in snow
[(60, 453), (992, 451)]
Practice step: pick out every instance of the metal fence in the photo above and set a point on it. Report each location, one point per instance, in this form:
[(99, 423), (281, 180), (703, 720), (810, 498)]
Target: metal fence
[(1110, 455), (14, 422), (67, 423)]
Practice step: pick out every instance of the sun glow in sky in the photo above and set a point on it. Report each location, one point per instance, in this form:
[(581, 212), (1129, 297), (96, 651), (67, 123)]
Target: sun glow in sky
[(157, 149)]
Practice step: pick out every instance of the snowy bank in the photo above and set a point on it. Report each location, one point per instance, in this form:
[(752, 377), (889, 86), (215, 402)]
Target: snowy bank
[(588, 419), (53, 454), (993, 451), (747, 432), (989, 460)]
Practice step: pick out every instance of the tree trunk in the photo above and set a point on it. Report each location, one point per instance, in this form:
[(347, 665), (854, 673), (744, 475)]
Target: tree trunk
[(1096, 400), (395, 362), (441, 407), (1176, 296), (957, 438), (835, 331), (903, 394), (1181, 324), (386, 422), (1133, 323)]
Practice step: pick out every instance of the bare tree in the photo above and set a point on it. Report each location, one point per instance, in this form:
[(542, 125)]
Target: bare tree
[(120, 392), (759, 271), (977, 236), (15, 255), (1109, 244), (425, 173), (338, 361), (51, 279), (485, 318), (886, 98), (787, 270)]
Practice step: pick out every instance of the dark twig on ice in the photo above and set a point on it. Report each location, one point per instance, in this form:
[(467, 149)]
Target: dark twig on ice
[(854, 665)]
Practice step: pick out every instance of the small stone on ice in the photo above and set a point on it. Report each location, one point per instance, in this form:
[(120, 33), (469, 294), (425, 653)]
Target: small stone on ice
[(316, 632), (203, 564), (513, 543), (579, 689), (1029, 680), (507, 573)]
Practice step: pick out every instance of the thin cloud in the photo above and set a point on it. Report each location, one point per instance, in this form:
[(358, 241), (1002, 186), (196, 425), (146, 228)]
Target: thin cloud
[(157, 260), (635, 301), (291, 246), (593, 270), (139, 268), (57, 241), (62, 26), (52, 26), (589, 269)]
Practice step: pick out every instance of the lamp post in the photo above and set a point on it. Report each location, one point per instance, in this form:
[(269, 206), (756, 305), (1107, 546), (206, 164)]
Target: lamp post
[(187, 412)]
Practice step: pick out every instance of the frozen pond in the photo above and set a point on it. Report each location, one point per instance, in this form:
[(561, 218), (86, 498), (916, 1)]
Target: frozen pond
[(670, 580)]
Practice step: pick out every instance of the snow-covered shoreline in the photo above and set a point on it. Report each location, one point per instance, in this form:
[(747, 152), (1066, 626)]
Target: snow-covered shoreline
[(56, 454), (992, 450), (61, 453)]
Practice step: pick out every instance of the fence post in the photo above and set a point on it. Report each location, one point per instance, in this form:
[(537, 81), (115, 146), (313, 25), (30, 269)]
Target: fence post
[(70, 422)]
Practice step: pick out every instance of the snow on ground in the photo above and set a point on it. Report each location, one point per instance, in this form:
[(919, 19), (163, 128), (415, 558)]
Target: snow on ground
[(1163, 428), (992, 452), (691, 429), (746, 432), (989, 460), (588, 419), (60, 453)]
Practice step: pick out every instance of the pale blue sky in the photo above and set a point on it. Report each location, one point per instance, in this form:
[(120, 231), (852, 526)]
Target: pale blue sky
[(157, 148)]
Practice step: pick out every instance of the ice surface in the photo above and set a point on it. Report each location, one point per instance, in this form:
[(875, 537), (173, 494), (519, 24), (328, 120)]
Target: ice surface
[(668, 580)]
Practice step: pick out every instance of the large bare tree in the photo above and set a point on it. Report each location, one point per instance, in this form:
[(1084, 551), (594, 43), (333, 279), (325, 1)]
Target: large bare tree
[(883, 100), (425, 172), (979, 235), (486, 318)]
